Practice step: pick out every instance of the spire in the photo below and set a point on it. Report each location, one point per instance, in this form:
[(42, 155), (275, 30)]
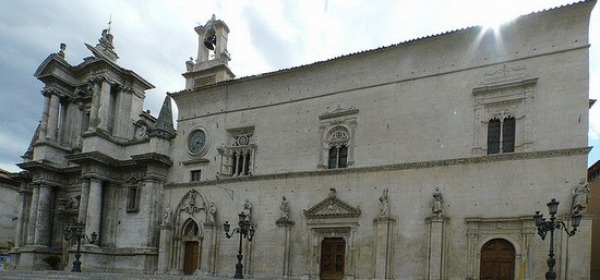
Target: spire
[(164, 122), (29, 153)]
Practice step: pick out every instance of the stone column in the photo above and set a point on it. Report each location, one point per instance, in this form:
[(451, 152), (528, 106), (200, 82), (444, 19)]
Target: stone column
[(43, 225), (104, 105), (284, 235), (53, 117), (83, 203), (19, 238), (33, 215), (436, 248), (44, 124), (384, 247), (93, 218)]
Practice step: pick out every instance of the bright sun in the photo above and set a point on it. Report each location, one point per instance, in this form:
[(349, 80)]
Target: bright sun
[(497, 18)]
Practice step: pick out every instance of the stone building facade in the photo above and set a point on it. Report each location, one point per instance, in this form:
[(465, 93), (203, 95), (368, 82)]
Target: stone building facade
[(422, 160), (9, 190)]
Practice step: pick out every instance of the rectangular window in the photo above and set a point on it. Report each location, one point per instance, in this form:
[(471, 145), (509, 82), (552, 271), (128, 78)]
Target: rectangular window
[(338, 157), (133, 197), (195, 175), (508, 135), (493, 144), (501, 136)]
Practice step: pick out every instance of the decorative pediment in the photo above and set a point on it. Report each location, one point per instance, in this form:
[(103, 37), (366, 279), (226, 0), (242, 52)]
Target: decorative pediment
[(332, 208), (338, 112), (505, 82)]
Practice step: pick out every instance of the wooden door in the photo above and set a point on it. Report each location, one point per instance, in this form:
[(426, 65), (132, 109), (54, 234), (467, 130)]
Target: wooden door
[(497, 260), (190, 258), (333, 256)]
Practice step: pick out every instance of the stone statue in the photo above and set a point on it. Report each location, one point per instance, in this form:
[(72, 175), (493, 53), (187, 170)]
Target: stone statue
[(211, 213), (105, 40), (284, 209), (189, 65), (581, 194), (75, 201), (248, 206), (438, 200), (63, 203), (384, 207), (332, 192), (167, 216), (192, 198), (63, 48)]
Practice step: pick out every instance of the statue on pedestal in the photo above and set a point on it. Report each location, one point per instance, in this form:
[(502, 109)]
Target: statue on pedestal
[(581, 194), (438, 200), (284, 209), (384, 205)]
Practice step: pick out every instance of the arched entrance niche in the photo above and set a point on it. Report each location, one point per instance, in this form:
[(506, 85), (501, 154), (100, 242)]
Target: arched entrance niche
[(497, 260), (188, 225), (191, 238)]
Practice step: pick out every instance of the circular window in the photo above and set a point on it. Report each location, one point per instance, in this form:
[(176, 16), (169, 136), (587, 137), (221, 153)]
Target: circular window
[(197, 141)]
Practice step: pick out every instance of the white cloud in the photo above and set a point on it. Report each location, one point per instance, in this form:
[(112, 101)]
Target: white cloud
[(154, 39)]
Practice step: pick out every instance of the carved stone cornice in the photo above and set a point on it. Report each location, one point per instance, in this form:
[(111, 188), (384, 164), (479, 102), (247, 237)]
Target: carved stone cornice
[(393, 167), (154, 158), (93, 157)]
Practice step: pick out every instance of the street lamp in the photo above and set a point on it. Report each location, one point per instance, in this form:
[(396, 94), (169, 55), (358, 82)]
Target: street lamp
[(246, 231), (543, 227), (77, 232)]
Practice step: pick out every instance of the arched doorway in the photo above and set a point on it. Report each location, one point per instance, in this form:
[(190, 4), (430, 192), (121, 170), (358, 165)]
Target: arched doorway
[(333, 256), (191, 247), (497, 260)]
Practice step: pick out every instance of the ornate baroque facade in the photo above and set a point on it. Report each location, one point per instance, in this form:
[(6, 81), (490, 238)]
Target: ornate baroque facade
[(422, 160)]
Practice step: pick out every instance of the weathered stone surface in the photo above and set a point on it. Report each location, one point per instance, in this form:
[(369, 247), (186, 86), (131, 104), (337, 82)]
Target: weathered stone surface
[(402, 121)]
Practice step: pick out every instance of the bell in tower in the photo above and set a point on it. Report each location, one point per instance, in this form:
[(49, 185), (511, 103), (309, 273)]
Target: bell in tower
[(212, 59)]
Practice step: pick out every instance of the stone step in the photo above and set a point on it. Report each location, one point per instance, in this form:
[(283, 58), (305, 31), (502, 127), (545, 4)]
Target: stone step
[(35, 275)]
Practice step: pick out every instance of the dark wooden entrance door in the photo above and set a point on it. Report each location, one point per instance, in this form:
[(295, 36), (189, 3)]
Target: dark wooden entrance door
[(333, 255), (497, 260), (190, 258)]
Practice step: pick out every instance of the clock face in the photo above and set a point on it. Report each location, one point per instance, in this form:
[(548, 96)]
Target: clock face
[(197, 141)]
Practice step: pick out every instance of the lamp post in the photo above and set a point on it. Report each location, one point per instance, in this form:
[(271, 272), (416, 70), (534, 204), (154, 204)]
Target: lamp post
[(77, 232), (543, 227), (245, 230)]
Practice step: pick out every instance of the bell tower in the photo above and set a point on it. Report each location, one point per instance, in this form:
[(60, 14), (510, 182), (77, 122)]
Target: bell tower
[(211, 62)]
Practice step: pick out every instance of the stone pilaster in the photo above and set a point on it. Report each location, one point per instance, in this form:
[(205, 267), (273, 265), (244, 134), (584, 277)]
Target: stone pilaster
[(93, 121), (436, 249), (164, 248), (209, 254), (247, 252), (83, 203), (22, 214), (44, 123), (33, 215), (53, 117), (43, 223), (93, 218), (284, 235), (104, 105), (384, 247)]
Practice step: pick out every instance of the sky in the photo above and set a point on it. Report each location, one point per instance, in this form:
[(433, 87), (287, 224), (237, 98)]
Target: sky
[(155, 38)]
